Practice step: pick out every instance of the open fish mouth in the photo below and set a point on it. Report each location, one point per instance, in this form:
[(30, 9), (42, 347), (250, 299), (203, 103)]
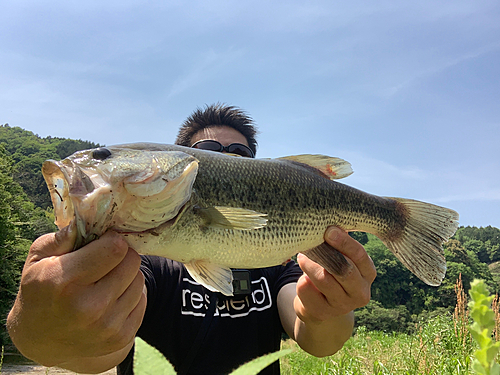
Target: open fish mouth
[(81, 196), (57, 179)]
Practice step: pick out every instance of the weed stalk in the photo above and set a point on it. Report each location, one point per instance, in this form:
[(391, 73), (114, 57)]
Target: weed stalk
[(495, 306), (461, 316)]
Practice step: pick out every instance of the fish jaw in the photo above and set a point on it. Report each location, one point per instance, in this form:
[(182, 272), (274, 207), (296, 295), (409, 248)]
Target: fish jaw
[(57, 183), (89, 200), (118, 193)]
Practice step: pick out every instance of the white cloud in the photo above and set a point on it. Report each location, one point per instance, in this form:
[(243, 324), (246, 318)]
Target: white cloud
[(438, 67), (479, 195), (206, 67)]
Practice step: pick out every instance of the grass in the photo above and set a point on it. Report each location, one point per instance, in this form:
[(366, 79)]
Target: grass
[(433, 350), (442, 345)]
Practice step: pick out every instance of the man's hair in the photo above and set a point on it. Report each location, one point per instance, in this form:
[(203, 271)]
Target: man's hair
[(218, 115)]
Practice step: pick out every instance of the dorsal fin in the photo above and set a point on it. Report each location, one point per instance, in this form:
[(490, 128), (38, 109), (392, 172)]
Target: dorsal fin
[(325, 166)]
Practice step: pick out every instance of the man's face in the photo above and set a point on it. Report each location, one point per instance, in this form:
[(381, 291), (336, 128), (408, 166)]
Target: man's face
[(223, 134)]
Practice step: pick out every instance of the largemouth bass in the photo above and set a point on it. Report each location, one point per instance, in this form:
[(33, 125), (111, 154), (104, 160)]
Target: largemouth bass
[(214, 212)]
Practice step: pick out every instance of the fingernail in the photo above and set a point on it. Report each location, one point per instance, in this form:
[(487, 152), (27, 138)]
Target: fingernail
[(332, 233)]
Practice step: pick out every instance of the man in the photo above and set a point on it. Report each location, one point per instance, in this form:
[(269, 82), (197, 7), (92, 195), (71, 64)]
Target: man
[(81, 310)]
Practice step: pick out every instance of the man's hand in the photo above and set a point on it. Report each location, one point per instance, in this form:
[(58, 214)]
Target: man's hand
[(322, 295), (74, 307), (317, 311)]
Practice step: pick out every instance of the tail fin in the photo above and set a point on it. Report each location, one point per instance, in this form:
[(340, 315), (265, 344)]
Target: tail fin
[(419, 247)]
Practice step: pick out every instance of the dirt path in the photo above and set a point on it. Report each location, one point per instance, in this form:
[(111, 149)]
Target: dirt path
[(15, 363), (9, 369)]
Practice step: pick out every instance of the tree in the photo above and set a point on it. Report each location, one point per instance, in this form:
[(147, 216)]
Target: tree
[(29, 151), (361, 237), (485, 242), (12, 248), (396, 286), (376, 317), (20, 224)]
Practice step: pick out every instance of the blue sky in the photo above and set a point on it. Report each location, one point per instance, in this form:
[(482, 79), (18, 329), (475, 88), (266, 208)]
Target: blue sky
[(408, 92)]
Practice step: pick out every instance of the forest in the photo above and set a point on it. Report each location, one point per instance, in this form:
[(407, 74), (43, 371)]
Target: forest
[(399, 299)]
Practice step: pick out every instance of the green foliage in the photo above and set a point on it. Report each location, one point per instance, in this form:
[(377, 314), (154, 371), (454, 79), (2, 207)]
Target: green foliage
[(361, 237), (483, 234), (396, 287), (258, 364), (149, 361), (17, 230), (29, 151), (482, 328), (376, 317), (432, 349), (485, 242)]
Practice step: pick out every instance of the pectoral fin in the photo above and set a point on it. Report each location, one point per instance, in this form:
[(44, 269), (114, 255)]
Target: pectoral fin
[(232, 218), (325, 166), (329, 258), (212, 276)]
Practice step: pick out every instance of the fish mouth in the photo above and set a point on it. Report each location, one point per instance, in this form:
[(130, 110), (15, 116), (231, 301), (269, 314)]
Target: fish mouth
[(76, 196), (57, 177)]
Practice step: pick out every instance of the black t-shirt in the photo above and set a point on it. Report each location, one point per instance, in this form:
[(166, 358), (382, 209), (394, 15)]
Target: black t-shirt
[(242, 328)]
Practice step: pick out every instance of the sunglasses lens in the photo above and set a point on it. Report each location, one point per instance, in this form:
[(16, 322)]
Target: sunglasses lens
[(208, 145), (239, 149), (233, 148)]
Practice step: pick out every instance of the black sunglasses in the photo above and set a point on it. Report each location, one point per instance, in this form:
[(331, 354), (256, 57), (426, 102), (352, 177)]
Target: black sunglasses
[(233, 148)]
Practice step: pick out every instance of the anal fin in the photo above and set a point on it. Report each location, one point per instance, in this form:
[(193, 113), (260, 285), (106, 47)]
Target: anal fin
[(329, 258), (212, 276)]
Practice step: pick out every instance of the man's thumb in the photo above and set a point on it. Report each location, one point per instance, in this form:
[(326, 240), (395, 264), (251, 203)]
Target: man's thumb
[(54, 244)]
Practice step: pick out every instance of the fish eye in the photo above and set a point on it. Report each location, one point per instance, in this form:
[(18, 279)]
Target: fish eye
[(101, 153)]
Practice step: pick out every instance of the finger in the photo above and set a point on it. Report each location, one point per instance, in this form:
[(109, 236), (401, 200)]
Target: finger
[(110, 320), (125, 316), (312, 304), (323, 281), (353, 250), (332, 286), (119, 279), (309, 300), (345, 293), (131, 297), (95, 260), (136, 316), (53, 244)]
